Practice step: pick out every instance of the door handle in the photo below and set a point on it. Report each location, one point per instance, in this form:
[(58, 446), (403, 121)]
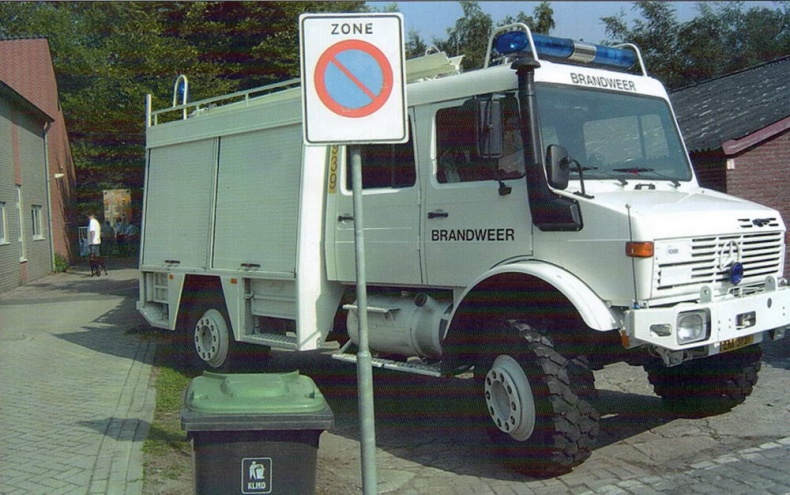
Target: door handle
[(438, 214), (345, 217)]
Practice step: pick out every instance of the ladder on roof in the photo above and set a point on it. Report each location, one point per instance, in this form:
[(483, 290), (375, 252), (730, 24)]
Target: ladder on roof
[(432, 65)]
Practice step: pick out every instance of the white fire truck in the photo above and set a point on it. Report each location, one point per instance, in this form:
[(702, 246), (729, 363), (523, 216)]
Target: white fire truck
[(542, 221)]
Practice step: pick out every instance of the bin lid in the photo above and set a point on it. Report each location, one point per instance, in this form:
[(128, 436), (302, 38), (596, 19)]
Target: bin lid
[(253, 393)]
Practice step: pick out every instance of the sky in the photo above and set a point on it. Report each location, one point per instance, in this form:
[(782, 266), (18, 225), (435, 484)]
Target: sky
[(576, 20)]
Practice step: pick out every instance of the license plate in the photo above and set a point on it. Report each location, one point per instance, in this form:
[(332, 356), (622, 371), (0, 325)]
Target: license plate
[(736, 343)]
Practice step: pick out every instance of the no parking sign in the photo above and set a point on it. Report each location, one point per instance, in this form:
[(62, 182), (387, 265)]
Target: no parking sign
[(352, 78)]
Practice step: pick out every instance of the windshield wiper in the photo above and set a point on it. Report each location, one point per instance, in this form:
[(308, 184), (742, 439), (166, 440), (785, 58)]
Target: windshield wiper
[(579, 170), (622, 181), (640, 170)]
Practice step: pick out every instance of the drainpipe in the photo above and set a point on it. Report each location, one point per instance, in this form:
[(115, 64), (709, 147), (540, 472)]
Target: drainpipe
[(47, 127)]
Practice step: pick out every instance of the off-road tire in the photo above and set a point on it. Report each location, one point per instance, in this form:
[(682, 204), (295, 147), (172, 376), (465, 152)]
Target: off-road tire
[(709, 385), (566, 423)]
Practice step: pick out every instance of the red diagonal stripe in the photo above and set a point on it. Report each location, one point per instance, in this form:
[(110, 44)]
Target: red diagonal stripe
[(353, 78)]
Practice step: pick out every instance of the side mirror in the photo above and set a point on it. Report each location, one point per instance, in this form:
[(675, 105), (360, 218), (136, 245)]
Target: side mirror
[(558, 163), (489, 128)]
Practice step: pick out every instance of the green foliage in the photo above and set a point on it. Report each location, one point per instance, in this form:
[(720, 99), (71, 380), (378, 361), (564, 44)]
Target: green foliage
[(109, 55), (722, 39), (415, 45), (61, 263), (165, 433), (469, 36), (542, 22)]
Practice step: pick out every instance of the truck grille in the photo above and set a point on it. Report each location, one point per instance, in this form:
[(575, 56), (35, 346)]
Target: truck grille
[(706, 260)]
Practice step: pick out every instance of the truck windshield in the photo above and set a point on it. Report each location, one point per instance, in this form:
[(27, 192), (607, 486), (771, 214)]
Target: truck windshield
[(613, 135)]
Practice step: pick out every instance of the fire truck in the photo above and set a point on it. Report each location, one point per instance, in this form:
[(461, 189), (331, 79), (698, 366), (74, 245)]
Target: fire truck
[(542, 221)]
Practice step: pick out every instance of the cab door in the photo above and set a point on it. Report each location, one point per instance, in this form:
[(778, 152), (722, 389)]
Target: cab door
[(391, 207), (475, 211)]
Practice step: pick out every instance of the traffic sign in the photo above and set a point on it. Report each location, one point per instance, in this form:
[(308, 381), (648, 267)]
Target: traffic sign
[(352, 78)]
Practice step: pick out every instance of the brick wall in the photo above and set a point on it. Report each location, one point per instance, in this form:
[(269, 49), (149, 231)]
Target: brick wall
[(710, 169), (26, 66), (762, 174)]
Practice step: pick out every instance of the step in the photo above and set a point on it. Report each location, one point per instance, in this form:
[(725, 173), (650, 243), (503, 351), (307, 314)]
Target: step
[(272, 339), (408, 367)]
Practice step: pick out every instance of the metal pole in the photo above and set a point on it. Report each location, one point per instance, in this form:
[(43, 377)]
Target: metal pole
[(364, 365)]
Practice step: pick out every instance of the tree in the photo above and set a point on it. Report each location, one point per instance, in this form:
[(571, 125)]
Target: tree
[(469, 36), (542, 22), (415, 45), (656, 34), (249, 43), (722, 39), (109, 55)]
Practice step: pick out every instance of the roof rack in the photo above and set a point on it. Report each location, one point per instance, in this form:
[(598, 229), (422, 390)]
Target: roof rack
[(511, 40), (432, 65), (194, 108)]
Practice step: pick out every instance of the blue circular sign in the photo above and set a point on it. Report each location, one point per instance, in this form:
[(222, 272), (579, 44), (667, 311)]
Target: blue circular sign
[(353, 78)]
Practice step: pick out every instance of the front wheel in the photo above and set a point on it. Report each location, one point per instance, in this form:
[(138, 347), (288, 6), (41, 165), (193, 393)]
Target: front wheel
[(709, 385), (539, 401)]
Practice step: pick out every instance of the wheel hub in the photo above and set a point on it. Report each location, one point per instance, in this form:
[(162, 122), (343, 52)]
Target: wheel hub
[(211, 338), (509, 398)]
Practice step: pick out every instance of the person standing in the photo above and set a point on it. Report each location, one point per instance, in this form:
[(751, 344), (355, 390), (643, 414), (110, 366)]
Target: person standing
[(94, 235)]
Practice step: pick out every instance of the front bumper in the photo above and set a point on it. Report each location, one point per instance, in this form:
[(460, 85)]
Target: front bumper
[(732, 321)]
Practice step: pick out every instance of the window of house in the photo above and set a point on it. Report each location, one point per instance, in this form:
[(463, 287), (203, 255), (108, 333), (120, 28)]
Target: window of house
[(384, 165), (37, 226)]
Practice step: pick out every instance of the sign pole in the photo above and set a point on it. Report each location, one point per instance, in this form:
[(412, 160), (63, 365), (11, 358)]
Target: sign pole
[(364, 364), (353, 85)]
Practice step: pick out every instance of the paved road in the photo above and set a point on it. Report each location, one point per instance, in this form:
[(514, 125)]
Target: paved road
[(76, 402), (75, 394)]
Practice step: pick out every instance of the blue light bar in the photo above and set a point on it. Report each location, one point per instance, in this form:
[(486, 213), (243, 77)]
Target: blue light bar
[(511, 42), (514, 42), (549, 46)]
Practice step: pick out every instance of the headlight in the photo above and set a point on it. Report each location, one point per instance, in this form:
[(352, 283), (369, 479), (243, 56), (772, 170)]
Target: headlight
[(692, 327)]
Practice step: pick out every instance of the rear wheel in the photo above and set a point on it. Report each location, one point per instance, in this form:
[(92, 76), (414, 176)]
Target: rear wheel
[(212, 339), (709, 385), (206, 340), (540, 403)]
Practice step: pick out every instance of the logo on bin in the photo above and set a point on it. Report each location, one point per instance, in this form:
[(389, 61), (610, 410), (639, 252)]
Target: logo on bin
[(256, 475)]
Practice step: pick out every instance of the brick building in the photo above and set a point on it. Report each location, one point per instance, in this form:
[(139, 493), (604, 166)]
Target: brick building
[(737, 130), (36, 169)]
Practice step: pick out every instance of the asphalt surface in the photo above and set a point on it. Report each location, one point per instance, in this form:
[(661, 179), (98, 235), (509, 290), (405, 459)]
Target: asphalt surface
[(76, 402)]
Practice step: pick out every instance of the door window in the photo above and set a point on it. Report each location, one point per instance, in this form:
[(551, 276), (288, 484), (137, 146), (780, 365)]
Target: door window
[(384, 165), (456, 145)]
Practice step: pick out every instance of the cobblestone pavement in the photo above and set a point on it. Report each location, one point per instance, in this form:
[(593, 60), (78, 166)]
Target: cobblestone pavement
[(76, 402), (434, 446), (75, 397)]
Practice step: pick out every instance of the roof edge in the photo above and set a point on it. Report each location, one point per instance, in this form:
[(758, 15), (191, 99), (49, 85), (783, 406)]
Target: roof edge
[(735, 146), (24, 103), (778, 60)]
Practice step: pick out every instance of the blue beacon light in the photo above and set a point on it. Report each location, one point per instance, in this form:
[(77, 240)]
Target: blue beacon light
[(562, 48), (736, 273)]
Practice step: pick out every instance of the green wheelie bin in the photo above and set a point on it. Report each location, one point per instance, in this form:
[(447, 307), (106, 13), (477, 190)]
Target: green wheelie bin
[(254, 433)]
